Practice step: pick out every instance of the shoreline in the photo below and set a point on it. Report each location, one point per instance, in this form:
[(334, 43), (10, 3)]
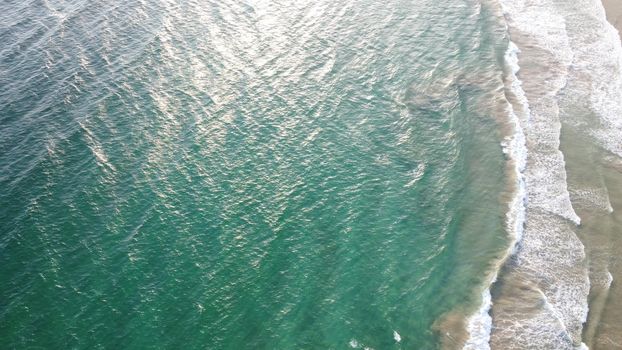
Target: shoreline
[(527, 307), (590, 308), (588, 325), (479, 324)]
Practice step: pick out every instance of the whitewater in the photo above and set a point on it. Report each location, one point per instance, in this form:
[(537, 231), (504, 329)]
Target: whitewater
[(540, 295)]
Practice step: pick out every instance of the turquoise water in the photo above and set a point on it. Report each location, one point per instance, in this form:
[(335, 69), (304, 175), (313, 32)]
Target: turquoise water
[(246, 175)]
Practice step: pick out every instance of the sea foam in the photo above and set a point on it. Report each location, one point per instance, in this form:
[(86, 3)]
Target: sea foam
[(598, 61), (480, 324), (543, 303)]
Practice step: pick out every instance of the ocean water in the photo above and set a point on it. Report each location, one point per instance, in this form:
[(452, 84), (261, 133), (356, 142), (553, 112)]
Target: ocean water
[(248, 174), (268, 174)]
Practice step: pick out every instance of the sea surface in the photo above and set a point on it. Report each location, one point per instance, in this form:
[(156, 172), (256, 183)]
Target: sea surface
[(266, 174)]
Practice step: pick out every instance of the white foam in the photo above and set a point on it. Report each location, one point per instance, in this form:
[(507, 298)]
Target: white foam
[(547, 176), (417, 175), (594, 198), (599, 61), (397, 337), (516, 147), (511, 59), (551, 257), (609, 279), (479, 324)]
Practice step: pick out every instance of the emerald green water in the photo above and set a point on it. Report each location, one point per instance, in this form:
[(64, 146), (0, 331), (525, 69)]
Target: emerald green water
[(246, 175)]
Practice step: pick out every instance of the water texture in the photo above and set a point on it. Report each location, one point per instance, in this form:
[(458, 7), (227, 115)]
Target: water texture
[(250, 174)]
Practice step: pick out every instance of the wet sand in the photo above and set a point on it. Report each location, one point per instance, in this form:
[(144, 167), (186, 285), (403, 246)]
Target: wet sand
[(593, 181), (597, 172), (614, 12)]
